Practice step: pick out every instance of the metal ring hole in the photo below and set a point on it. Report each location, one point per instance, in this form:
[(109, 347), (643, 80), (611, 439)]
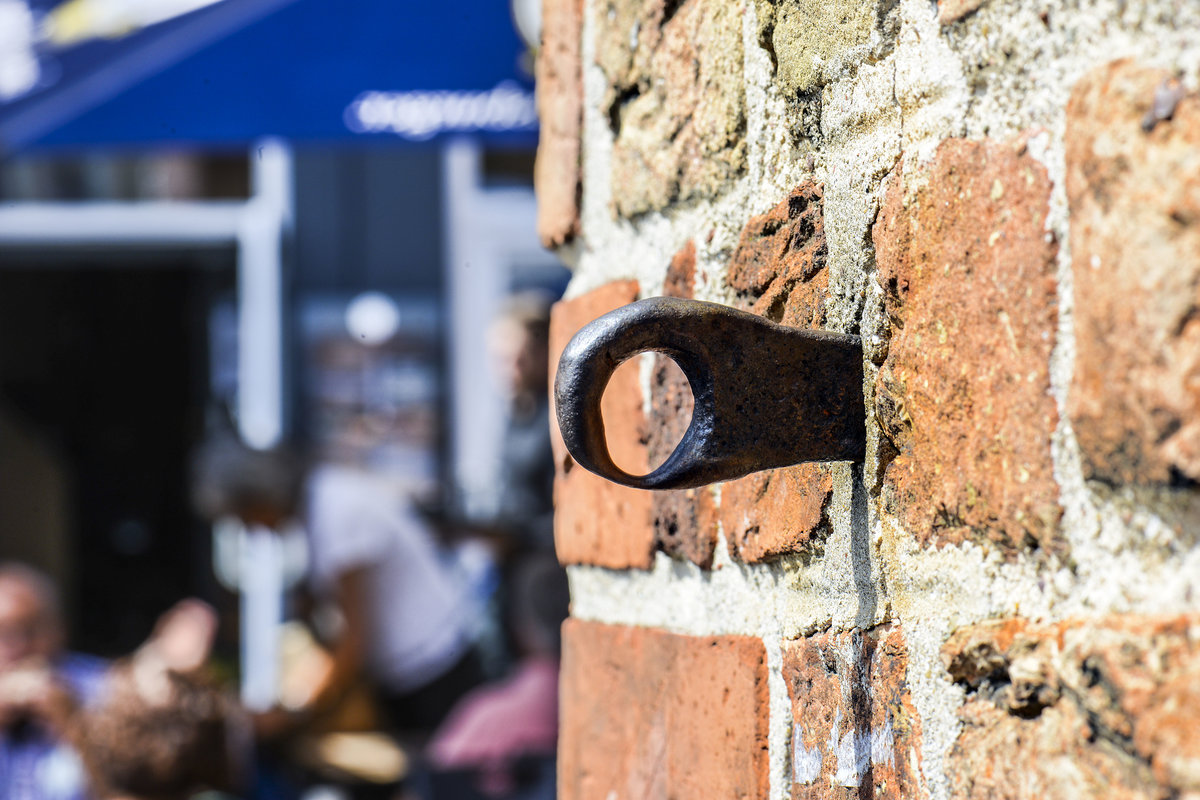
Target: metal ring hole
[(673, 403), (638, 449)]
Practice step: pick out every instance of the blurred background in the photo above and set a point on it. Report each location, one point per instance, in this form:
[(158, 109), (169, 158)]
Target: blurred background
[(292, 219)]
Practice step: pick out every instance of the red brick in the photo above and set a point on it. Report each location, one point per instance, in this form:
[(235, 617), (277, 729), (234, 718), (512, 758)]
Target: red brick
[(650, 714), (855, 732), (685, 521), (1133, 186), (557, 171), (963, 396), (675, 100), (775, 512), (681, 273), (778, 270), (1081, 709), (597, 522)]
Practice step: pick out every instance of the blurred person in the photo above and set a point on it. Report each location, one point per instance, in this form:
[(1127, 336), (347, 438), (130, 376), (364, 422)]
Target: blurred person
[(503, 735), (161, 729), (520, 521), (41, 688), (519, 344), (403, 616)]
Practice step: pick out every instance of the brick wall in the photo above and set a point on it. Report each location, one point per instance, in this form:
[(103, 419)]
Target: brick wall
[(1002, 197)]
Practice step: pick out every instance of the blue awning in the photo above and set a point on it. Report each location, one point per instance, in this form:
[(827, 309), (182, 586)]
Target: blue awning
[(304, 70)]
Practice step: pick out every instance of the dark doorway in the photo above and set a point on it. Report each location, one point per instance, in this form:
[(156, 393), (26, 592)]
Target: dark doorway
[(104, 376)]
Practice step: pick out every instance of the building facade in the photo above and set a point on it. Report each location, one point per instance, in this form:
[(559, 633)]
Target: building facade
[(1002, 198)]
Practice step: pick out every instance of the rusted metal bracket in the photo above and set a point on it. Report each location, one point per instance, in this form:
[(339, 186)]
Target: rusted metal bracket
[(766, 395)]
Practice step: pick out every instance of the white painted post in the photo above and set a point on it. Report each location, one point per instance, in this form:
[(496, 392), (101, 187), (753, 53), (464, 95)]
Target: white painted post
[(490, 235), (260, 404), (477, 283)]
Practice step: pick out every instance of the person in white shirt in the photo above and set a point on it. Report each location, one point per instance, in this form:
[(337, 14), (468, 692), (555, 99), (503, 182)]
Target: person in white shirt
[(404, 614)]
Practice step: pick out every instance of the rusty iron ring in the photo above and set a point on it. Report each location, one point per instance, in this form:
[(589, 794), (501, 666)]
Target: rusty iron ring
[(766, 395)]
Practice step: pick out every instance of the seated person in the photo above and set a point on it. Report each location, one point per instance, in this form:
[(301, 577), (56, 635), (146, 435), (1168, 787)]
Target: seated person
[(161, 730), (41, 687), (513, 723), (403, 613)]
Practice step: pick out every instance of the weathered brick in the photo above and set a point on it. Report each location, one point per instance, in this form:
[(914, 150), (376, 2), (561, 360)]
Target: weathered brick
[(595, 521), (1133, 187), (772, 513), (675, 100), (647, 713), (811, 41), (680, 280), (557, 170), (1080, 709), (685, 521), (855, 732), (950, 11), (778, 270), (967, 269)]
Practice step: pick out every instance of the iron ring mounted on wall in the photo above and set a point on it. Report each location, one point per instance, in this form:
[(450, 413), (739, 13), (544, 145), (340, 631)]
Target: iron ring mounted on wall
[(766, 395)]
